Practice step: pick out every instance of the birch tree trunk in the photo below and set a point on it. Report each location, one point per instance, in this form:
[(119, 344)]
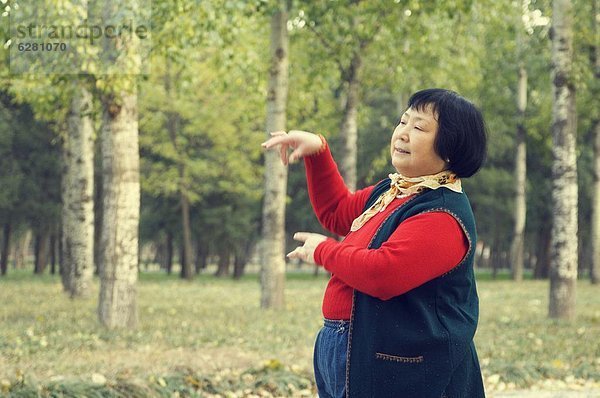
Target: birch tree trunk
[(516, 251), (349, 130), (563, 266), (117, 306), (272, 277), (78, 195), (595, 54)]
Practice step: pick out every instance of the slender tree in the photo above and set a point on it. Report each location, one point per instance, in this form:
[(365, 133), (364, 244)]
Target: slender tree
[(78, 193), (517, 245), (273, 247), (595, 63), (349, 129), (66, 104), (355, 25), (564, 258), (174, 127)]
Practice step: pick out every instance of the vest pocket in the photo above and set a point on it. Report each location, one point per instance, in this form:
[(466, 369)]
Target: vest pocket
[(396, 358)]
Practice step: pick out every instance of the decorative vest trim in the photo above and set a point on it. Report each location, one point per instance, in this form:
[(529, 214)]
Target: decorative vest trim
[(418, 344)]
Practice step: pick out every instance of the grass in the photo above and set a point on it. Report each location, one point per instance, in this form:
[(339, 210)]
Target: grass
[(213, 329)]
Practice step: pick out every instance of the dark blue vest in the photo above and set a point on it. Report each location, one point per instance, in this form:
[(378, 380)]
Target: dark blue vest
[(418, 344)]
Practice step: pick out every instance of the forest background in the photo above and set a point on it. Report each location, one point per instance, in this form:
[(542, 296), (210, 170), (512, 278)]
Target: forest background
[(200, 95)]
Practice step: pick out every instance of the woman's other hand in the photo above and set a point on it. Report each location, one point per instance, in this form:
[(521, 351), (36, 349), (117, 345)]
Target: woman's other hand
[(303, 144), (306, 252)]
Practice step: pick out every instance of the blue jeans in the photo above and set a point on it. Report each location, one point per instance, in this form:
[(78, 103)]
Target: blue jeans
[(330, 359)]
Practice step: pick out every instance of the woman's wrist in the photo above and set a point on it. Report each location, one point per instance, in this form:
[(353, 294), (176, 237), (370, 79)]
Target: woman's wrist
[(323, 146)]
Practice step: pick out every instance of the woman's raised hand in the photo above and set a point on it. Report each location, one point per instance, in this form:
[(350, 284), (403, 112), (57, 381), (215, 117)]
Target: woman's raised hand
[(303, 144)]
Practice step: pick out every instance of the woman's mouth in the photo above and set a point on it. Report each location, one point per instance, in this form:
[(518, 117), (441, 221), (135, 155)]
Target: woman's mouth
[(400, 151)]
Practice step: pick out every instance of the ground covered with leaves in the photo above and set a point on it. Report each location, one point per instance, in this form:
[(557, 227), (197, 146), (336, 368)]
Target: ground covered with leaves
[(209, 338)]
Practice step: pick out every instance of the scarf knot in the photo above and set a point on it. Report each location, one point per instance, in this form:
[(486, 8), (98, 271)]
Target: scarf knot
[(401, 187)]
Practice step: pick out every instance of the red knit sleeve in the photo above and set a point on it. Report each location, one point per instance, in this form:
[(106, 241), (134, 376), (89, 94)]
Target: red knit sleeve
[(334, 205), (422, 248)]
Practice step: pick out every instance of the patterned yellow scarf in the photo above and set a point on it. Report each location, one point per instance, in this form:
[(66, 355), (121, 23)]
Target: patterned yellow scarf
[(401, 187)]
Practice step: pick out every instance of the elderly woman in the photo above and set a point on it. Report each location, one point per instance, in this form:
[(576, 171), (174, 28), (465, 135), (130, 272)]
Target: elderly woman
[(401, 306)]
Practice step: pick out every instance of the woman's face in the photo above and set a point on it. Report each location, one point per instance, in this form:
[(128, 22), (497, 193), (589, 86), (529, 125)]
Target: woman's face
[(412, 149)]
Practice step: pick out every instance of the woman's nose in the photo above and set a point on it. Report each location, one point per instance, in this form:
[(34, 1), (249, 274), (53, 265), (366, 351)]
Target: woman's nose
[(403, 135)]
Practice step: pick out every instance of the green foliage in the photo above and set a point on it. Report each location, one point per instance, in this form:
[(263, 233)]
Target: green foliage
[(10, 175), (29, 170), (214, 56), (201, 119)]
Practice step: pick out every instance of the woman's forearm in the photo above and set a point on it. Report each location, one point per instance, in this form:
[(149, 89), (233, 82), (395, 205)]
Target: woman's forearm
[(333, 203)]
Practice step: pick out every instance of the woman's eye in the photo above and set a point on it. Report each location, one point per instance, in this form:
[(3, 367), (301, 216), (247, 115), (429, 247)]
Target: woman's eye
[(402, 122), (419, 128)]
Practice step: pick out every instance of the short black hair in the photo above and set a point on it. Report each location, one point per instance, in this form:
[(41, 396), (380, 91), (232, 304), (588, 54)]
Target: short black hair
[(461, 136)]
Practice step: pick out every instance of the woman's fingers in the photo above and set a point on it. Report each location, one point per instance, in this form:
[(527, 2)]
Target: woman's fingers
[(297, 154), (298, 252), (271, 142), (302, 236), (283, 153), (295, 139), (276, 138)]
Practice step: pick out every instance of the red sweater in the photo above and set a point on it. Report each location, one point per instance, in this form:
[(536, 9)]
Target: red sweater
[(422, 248)]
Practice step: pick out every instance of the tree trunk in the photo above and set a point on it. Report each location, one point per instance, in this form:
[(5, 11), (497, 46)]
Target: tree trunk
[(42, 239), (479, 262), (595, 271), (584, 255), (316, 271), (529, 256), (517, 246), (238, 266), (201, 255), (169, 254), (61, 261), (349, 130), (53, 247), (121, 210), (21, 249), (563, 268), (98, 216), (187, 271), (272, 277), (595, 54), (223, 264), (173, 127), (495, 254), (241, 259), (5, 248), (78, 194), (542, 264), (181, 260), (496, 263)]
